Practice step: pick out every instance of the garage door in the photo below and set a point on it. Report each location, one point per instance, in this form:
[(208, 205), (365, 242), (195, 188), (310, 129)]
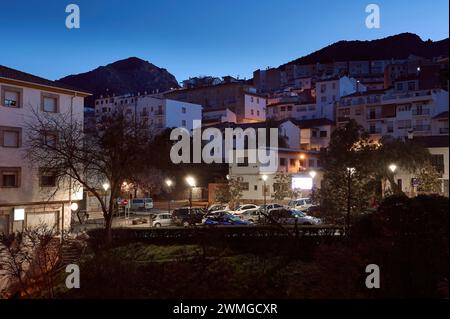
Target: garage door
[(37, 219)]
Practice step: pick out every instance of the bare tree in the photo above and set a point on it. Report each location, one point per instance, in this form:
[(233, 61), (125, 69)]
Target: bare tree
[(112, 154), (29, 259)]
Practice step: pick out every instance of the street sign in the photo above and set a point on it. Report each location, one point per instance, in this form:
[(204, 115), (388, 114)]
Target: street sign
[(124, 202)]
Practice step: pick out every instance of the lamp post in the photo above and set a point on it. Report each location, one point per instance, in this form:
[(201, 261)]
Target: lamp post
[(105, 188), (191, 182), (350, 172), (264, 178), (169, 184), (393, 168)]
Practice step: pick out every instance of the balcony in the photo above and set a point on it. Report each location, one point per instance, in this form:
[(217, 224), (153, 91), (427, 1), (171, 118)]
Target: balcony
[(419, 112), (374, 116), (422, 128)]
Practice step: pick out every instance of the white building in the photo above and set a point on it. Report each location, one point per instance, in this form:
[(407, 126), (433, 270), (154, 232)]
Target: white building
[(27, 197), (158, 112), (330, 91), (299, 164), (438, 148), (254, 107), (397, 113)]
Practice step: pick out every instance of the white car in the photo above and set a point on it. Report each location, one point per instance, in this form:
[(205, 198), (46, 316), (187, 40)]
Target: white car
[(163, 219), (217, 207), (300, 204), (242, 208)]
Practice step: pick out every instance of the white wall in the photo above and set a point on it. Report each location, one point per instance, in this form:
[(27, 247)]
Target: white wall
[(174, 116), (255, 108)]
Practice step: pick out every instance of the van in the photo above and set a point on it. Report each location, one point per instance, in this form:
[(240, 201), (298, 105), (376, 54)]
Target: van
[(300, 204), (141, 204)]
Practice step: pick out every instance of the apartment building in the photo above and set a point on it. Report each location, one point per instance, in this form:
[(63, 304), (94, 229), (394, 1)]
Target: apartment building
[(238, 96), (29, 198), (438, 146), (330, 91), (396, 112), (158, 113), (296, 163)]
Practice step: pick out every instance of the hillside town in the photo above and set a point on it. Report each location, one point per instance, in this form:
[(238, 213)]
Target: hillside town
[(386, 101)]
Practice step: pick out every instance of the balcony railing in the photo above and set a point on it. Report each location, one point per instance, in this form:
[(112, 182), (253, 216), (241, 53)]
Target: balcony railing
[(422, 128), (417, 112), (375, 116)]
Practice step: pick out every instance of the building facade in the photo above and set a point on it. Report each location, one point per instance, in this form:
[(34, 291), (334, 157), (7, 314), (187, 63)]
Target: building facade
[(27, 197)]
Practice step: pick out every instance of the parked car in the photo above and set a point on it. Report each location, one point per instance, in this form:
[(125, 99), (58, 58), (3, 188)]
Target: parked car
[(269, 207), (141, 204), (216, 207), (290, 216), (214, 214), (253, 215), (163, 219), (226, 220), (300, 204), (242, 208), (186, 216)]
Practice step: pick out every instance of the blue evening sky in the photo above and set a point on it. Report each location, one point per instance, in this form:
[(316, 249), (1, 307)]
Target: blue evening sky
[(197, 37)]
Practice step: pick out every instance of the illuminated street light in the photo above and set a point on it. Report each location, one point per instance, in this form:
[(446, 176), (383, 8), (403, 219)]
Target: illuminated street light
[(169, 184), (191, 181), (105, 186), (393, 168), (312, 174), (264, 178)]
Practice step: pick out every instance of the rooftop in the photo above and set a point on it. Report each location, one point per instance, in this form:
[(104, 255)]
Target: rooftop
[(13, 74)]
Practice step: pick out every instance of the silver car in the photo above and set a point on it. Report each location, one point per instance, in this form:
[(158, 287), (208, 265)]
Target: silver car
[(163, 219)]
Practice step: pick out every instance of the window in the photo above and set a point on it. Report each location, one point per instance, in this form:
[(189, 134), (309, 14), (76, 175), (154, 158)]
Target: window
[(323, 88), (289, 108), (104, 109), (49, 103), (183, 123), (251, 99), (314, 133), (438, 162), (255, 187), (11, 97), (10, 177), (257, 113), (10, 136), (323, 99), (282, 161), (50, 138), (257, 100), (183, 110), (283, 109), (323, 133), (245, 186), (311, 163), (47, 178), (252, 112)]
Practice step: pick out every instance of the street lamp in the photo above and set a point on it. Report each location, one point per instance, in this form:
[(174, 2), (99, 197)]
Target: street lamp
[(105, 187), (393, 168), (264, 178), (169, 184), (312, 174), (350, 172), (191, 182)]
